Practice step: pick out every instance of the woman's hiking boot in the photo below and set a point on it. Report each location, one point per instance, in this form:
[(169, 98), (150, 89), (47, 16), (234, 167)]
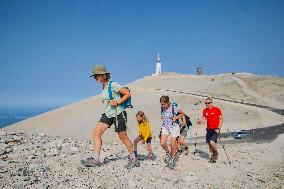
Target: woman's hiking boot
[(91, 162)]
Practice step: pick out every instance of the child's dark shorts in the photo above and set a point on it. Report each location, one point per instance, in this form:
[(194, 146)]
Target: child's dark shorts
[(211, 135), (121, 119), (148, 141)]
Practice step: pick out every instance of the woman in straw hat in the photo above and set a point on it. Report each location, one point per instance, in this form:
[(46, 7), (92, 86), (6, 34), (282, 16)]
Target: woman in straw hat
[(113, 114)]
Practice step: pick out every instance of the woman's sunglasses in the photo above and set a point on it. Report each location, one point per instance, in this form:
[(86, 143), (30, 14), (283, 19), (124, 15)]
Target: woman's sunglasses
[(98, 75)]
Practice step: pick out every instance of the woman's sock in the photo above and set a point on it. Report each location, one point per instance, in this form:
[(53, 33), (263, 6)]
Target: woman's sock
[(96, 157), (132, 156)]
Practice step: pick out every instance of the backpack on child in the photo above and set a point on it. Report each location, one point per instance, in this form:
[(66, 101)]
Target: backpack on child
[(187, 118), (124, 105), (188, 122)]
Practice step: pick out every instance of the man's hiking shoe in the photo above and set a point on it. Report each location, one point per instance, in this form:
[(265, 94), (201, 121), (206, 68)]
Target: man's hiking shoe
[(212, 159), (91, 162), (167, 158), (132, 163), (216, 156)]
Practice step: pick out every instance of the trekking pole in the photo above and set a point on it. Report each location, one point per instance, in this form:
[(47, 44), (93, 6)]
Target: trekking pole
[(190, 134), (196, 137), (224, 150)]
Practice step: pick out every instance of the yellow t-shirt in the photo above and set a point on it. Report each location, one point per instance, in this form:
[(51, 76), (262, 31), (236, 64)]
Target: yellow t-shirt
[(145, 131)]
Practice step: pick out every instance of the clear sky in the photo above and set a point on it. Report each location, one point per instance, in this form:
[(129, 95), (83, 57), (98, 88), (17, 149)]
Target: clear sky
[(48, 48)]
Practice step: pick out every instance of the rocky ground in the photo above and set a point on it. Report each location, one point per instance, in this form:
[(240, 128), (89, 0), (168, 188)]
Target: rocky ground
[(29, 160), (39, 161)]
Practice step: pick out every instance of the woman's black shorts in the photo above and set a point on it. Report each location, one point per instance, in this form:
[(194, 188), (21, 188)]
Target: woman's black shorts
[(121, 119)]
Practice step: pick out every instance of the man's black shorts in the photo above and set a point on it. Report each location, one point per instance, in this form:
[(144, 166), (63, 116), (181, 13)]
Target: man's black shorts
[(211, 135), (121, 119)]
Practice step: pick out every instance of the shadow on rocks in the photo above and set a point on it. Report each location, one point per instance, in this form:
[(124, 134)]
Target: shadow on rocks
[(201, 153), (146, 157)]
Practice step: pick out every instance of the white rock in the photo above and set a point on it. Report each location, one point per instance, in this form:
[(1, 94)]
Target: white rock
[(41, 134), (3, 133), (8, 150), (53, 152), (12, 133), (2, 150), (16, 138), (3, 170), (52, 145), (190, 177), (74, 149), (90, 147)]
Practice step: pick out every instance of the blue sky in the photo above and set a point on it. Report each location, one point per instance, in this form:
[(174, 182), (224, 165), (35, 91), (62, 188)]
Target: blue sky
[(48, 48)]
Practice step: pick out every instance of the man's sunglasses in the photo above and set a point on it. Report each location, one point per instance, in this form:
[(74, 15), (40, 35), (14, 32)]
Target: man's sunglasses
[(208, 102)]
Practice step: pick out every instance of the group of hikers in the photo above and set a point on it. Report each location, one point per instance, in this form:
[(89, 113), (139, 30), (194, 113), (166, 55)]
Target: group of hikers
[(174, 124)]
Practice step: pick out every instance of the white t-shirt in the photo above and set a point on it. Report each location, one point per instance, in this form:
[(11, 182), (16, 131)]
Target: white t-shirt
[(168, 115)]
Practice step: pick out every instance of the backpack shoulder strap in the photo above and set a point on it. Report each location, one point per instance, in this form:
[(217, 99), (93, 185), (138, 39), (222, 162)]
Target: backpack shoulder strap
[(109, 90), (173, 111)]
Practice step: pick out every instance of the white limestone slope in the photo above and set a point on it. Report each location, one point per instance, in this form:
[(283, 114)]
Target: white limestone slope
[(78, 119)]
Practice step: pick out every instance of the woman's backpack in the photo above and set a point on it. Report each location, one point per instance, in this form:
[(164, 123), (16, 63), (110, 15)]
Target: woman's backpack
[(124, 105)]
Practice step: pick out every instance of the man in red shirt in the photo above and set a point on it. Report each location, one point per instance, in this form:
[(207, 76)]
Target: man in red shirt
[(213, 115)]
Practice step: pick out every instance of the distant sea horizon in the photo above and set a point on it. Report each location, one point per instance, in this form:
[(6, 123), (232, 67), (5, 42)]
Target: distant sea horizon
[(13, 114)]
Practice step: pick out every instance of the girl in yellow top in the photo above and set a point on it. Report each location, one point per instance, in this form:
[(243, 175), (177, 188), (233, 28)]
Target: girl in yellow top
[(145, 133)]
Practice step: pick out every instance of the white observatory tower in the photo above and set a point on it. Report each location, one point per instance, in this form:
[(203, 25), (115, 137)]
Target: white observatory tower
[(158, 66)]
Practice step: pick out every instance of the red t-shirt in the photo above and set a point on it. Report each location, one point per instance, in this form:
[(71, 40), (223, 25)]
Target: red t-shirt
[(212, 116)]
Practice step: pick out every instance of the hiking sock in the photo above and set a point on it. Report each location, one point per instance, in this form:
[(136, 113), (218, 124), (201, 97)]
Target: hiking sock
[(216, 155), (132, 156), (135, 152), (96, 157)]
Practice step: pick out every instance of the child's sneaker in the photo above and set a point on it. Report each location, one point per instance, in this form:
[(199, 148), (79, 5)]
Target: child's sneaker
[(151, 157), (186, 150), (171, 163), (132, 163)]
